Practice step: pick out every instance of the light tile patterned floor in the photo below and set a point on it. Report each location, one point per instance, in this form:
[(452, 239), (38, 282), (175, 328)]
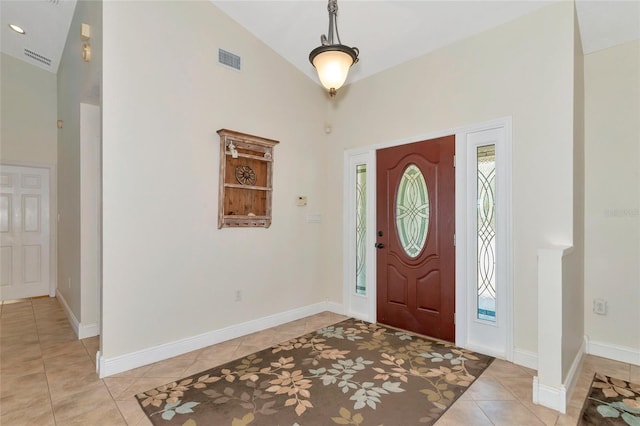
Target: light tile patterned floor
[(47, 376)]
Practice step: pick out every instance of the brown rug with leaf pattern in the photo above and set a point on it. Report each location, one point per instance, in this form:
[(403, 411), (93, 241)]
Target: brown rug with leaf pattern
[(350, 373), (611, 402)]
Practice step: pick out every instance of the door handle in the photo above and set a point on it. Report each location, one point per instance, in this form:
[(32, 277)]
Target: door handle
[(379, 245)]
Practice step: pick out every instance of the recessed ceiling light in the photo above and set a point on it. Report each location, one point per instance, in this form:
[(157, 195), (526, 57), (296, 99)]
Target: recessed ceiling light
[(17, 29)]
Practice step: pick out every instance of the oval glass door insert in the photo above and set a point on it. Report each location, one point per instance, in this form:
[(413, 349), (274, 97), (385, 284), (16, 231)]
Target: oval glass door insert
[(412, 211)]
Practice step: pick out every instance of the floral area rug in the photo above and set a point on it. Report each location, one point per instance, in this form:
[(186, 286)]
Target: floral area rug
[(611, 402), (350, 373)]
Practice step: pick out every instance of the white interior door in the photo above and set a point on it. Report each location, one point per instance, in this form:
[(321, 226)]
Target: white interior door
[(24, 232)]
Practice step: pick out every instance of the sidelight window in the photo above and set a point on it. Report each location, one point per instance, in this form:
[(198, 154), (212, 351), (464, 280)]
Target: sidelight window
[(486, 229), (361, 229)]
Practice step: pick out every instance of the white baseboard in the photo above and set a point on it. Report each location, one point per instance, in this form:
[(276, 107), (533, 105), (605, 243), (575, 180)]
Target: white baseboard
[(485, 350), (75, 324), (118, 364), (336, 308), (88, 330), (525, 358), (82, 331), (612, 351), (574, 370), (554, 397)]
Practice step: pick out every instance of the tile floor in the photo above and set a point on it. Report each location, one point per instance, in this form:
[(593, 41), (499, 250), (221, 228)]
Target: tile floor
[(47, 376)]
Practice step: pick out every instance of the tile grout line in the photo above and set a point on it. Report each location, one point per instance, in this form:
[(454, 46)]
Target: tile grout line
[(475, 402), (483, 412), (104, 384), (525, 402), (42, 313), (44, 367)]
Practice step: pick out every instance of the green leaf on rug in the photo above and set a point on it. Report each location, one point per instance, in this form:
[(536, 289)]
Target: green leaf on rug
[(311, 376), (392, 386), (171, 409), (608, 411), (168, 415), (622, 407), (630, 419), (186, 408), (631, 405)]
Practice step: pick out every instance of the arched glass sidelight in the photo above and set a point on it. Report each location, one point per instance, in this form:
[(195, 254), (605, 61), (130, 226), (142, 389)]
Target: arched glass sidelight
[(412, 211)]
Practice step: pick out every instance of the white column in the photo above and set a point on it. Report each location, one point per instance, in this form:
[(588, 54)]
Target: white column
[(548, 387)]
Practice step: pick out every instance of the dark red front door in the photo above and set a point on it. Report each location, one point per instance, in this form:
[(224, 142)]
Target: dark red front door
[(415, 233)]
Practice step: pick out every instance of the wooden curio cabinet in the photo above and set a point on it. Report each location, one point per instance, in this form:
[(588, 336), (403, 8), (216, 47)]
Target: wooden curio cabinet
[(246, 168)]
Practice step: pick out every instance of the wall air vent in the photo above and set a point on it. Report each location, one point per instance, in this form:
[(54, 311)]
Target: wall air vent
[(229, 59), (54, 2), (35, 56)]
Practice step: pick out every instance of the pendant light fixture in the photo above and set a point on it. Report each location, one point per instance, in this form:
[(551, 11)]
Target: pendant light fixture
[(332, 60)]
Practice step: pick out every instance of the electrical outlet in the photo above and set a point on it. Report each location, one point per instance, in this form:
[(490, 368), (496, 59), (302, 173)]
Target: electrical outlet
[(238, 295), (69, 283), (600, 306)]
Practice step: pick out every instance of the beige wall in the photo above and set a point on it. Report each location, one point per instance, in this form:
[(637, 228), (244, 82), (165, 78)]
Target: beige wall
[(612, 221), (77, 81), (573, 267), (169, 273), (522, 69), (28, 121), (162, 249)]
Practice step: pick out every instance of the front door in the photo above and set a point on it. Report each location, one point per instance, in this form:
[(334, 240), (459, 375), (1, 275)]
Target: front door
[(24, 232), (415, 237)]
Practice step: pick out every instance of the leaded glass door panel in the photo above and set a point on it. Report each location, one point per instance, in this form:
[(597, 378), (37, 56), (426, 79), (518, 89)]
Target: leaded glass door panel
[(415, 232)]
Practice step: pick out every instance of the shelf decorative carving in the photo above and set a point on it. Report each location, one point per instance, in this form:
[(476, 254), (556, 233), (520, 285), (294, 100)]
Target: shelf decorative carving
[(246, 180), (245, 175)]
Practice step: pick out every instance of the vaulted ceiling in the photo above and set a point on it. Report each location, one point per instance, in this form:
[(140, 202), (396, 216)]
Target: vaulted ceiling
[(46, 25), (387, 32)]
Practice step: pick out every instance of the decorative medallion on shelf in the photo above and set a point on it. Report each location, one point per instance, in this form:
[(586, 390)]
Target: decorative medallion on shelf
[(245, 175)]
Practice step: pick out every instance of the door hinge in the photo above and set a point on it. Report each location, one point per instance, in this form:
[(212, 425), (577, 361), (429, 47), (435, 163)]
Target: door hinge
[(454, 319), (454, 160), (454, 240)]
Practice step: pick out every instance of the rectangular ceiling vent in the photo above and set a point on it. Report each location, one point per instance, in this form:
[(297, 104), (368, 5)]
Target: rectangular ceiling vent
[(229, 59), (37, 57)]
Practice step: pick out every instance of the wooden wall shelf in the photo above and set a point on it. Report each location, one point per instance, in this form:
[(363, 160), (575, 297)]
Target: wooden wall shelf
[(246, 180)]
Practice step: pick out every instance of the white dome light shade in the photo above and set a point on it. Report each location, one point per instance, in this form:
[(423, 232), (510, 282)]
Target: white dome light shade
[(332, 60), (333, 68)]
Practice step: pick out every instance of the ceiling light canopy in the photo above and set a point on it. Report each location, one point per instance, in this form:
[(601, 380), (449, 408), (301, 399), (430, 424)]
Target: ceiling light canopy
[(17, 29), (332, 60)]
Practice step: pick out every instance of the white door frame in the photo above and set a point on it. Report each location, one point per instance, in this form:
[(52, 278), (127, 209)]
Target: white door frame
[(491, 338), (364, 307), (359, 305), (53, 218)]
